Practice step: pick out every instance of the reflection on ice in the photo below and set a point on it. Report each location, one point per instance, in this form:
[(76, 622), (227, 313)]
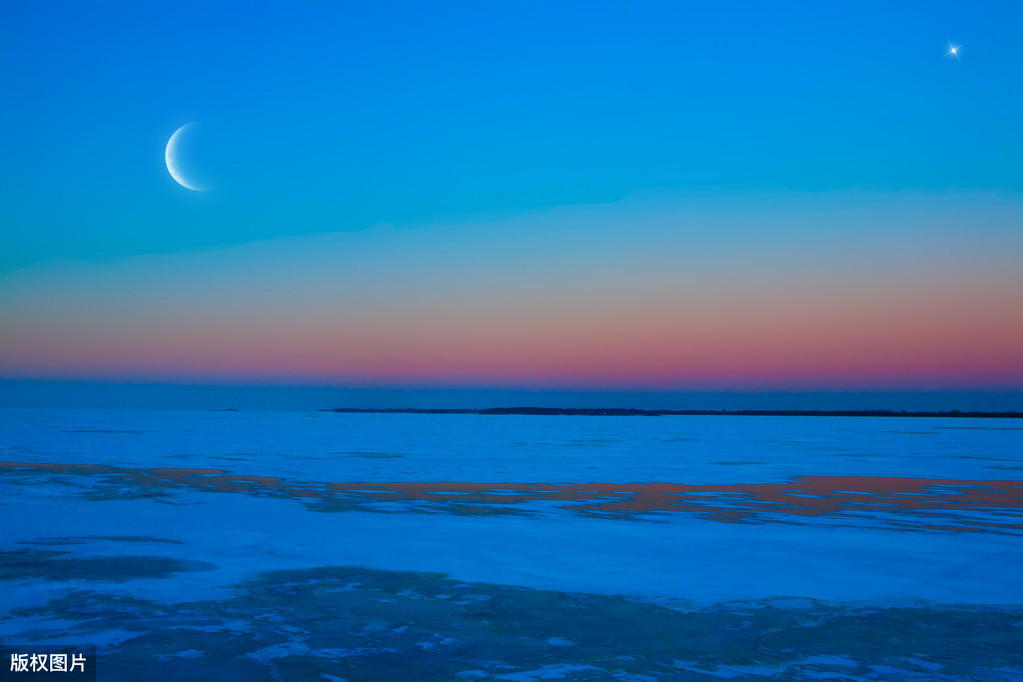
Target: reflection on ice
[(922, 504)]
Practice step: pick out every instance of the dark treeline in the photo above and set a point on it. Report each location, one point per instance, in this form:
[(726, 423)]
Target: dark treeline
[(628, 412)]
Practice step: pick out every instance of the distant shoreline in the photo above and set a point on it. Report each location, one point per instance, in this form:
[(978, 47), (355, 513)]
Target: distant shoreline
[(628, 412)]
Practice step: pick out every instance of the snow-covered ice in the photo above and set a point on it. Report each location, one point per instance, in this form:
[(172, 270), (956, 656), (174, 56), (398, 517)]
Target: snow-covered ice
[(160, 509)]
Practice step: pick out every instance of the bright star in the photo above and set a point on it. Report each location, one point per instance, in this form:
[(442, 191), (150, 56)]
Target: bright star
[(953, 51)]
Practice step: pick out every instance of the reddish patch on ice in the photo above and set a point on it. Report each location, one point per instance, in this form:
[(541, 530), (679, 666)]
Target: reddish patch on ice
[(931, 499)]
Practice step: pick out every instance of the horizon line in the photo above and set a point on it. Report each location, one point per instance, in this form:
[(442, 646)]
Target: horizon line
[(634, 412)]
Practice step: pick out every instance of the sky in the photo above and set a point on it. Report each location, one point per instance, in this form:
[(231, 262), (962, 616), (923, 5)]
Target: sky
[(554, 200)]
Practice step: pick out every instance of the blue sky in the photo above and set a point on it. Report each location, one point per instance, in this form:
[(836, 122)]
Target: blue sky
[(799, 196), (328, 117)]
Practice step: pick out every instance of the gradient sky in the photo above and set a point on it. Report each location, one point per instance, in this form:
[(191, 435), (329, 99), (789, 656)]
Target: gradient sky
[(586, 196)]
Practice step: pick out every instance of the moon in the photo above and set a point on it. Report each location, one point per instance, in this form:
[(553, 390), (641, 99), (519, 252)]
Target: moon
[(171, 157)]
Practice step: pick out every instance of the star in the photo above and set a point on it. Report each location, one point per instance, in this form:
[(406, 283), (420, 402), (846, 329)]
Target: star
[(953, 51)]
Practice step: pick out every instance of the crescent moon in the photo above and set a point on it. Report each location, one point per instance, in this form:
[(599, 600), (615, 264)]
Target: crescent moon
[(171, 157)]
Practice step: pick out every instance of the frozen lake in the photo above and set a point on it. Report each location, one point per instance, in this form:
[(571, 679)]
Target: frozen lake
[(294, 545)]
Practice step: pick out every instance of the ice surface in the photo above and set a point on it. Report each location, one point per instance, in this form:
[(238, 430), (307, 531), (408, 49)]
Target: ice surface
[(323, 446), (686, 512)]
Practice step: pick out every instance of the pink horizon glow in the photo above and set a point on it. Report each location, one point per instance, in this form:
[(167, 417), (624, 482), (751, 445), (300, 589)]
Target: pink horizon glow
[(647, 305)]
